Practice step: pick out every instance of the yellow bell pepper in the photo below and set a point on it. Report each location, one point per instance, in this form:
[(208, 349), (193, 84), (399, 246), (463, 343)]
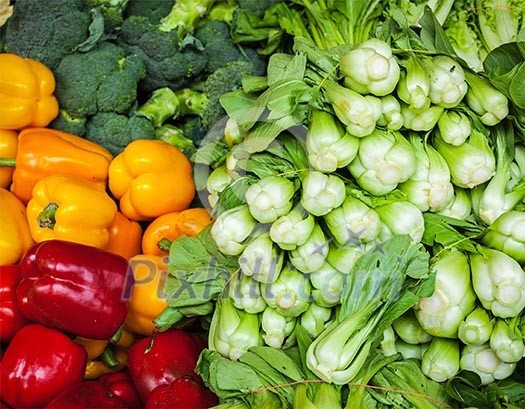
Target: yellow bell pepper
[(26, 93), (147, 299), (15, 236), (8, 148), (72, 209), (125, 236), (150, 178)]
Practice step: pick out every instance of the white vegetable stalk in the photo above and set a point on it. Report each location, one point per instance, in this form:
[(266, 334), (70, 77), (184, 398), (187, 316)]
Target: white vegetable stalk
[(453, 298), (311, 255), (414, 85), (327, 285), (482, 360), (270, 198), (471, 163), (388, 343), (231, 229), (429, 188), (292, 229), (454, 127), (409, 351), (485, 100), (476, 328), (353, 222), (232, 132), (235, 161), (343, 258), (245, 293), (289, 294), (370, 68), (423, 120), (506, 342), (384, 160), (447, 81), (507, 234), (218, 180), (322, 192), (408, 329), (401, 218), (460, 207), (391, 117), (328, 145), (499, 282), (357, 112), (315, 319), (262, 259), (440, 362), (276, 327)]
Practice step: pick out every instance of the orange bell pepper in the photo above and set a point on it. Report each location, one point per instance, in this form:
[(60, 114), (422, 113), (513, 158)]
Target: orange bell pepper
[(15, 236), (159, 234), (8, 148), (147, 299), (26, 93), (43, 152), (71, 209), (150, 178), (125, 236)]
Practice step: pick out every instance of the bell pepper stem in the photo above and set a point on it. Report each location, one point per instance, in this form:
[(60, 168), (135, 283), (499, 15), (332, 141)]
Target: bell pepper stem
[(108, 357), (8, 162), (116, 337), (164, 244), (46, 218)]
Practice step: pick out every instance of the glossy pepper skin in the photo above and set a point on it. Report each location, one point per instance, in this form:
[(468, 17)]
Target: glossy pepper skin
[(72, 209), (170, 355), (125, 236), (39, 363), (43, 152), (74, 288), (150, 178), (87, 394), (11, 319), (164, 229), (15, 235), (147, 298), (26, 93), (182, 393), (8, 149), (121, 385)]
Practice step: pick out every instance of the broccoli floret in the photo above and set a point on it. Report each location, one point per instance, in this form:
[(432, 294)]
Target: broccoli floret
[(112, 11), (256, 7), (153, 10), (66, 123), (167, 65), (46, 30), (115, 131), (103, 79)]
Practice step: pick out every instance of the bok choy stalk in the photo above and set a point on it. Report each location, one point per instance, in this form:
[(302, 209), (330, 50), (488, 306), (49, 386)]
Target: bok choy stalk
[(261, 259), (353, 222), (276, 327), (414, 84), (409, 351), (292, 229), (233, 331), (322, 192), (499, 282), (507, 234), (401, 217), (429, 188), (343, 258), (460, 207), (506, 342), (270, 198), (310, 255), (327, 285), (476, 328), (231, 228), (421, 120), (409, 330), (370, 68), (440, 361), (483, 361), (454, 127), (385, 159), (315, 319), (245, 293), (218, 180), (290, 293), (453, 298), (485, 100), (471, 163), (447, 80), (328, 145), (391, 117)]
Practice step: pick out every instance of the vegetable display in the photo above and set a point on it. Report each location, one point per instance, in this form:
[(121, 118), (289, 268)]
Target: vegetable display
[(262, 204)]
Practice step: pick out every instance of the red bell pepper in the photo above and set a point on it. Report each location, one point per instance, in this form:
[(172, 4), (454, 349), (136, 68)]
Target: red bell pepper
[(39, 363), (11, 319), (74, 287), (163, 357), (87, 394), (182, 393), (121, 385)]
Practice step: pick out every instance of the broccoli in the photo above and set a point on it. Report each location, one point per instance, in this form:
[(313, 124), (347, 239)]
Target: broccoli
[(46, 30), (256, 7), (115, 131), (153, 10), (112, 11)]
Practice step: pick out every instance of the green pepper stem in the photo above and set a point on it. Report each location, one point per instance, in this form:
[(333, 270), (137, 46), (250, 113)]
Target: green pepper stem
[(108, 357), (164, 244), (8, 162), (46, 218)]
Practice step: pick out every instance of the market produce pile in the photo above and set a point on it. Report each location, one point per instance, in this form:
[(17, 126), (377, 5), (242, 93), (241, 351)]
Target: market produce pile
[(321, 202)]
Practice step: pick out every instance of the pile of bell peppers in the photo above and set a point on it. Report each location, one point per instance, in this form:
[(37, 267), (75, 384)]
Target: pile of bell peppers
[(84, 240)]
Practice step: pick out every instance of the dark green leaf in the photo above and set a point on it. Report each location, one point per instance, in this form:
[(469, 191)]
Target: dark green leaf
[(445, 231), (281, 362), (433, 35)]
